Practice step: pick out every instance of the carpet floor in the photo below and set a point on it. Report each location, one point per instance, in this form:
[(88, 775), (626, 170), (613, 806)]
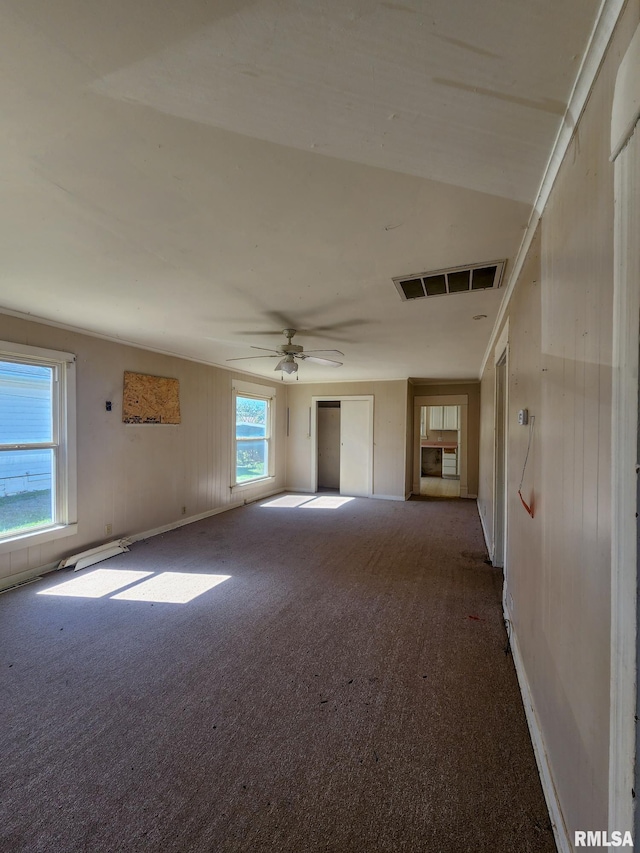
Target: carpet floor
[(345, 689)]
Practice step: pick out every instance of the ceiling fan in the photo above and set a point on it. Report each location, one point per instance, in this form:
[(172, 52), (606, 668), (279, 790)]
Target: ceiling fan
[(289, 354)]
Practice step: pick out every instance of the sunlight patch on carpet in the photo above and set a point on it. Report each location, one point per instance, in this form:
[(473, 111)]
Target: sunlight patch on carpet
[(327, 502), (288, 501), (308, 502), (96, 584), (171, 588)]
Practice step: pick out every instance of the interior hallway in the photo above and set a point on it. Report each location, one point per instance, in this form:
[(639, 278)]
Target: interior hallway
[(346, 688)]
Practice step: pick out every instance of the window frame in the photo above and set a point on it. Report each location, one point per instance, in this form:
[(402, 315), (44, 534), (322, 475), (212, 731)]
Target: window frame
[(253, 391), (63, 443)]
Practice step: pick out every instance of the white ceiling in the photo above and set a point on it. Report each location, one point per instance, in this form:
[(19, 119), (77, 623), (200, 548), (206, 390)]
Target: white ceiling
[(195, 176)]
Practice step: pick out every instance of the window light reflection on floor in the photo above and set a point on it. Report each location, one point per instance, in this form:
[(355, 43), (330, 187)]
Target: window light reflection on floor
[(288, 501), (169, 587), (96, 584), (308, 501), (327, 502)]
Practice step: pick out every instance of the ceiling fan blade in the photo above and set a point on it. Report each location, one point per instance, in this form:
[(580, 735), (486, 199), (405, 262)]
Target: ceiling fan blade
[(300, 332), (266, 349), (328, 362), (262, 332), (336, 351), (247, 357)]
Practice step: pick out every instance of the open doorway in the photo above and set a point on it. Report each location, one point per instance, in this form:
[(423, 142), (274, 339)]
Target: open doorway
[(329, 446), (440, 451), (436, 418)]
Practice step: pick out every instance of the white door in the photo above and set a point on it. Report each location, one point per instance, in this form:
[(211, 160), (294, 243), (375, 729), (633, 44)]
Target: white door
[(356, 450)]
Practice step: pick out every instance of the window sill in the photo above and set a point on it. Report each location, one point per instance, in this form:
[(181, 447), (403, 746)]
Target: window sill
[(28, 540), (239, 487)]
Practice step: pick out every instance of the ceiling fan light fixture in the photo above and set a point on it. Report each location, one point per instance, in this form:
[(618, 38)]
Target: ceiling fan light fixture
[(288, 355)]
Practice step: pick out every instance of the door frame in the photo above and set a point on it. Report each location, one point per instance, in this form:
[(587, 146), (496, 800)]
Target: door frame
[(313, 434), (500, 479), (461, 400), (624, 743)]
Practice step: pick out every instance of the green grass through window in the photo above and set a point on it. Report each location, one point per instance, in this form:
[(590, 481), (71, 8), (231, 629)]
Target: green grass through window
[(24, 511), (250, 472)]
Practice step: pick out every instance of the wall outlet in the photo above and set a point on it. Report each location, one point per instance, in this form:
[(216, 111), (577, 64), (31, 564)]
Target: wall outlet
[(184, 510), (108, 529)]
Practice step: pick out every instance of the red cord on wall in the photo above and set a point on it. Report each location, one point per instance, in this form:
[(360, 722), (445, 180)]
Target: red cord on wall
[(525, 504), (528, 508)]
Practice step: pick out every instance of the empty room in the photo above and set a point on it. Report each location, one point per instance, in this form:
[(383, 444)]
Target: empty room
[(319, 404)]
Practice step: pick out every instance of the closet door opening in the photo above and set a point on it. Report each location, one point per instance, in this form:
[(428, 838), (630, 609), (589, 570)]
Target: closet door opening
[(329, 446)]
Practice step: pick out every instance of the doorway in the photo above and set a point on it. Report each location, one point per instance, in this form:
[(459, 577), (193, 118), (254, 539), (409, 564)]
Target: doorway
[(453, 465), (347, 465), (500, 486), (329, 446), (440, 451)]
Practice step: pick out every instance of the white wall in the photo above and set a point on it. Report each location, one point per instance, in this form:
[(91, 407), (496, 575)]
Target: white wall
[(558, 563), (389, 432), (139, 477)]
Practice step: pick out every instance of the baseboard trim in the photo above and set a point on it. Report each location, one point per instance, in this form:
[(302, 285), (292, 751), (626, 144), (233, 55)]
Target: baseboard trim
[(560, 833), (11, 581), (174, 525), (389, 497), (485, 534), (22, 578)]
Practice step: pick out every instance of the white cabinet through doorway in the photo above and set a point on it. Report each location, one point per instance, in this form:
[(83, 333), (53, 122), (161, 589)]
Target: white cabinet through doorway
[(444, 417)]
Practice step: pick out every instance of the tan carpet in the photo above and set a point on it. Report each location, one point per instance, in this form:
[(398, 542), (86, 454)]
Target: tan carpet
[(346, 690)]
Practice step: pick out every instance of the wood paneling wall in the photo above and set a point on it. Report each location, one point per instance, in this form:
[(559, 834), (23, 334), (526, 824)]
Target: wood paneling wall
[(558, 564), (139, 477)]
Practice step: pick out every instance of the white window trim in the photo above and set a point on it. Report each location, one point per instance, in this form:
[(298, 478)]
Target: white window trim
[(257, 392), (64, 404)]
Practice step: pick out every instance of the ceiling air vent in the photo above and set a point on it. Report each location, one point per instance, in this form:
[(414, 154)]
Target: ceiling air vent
[(485, 276)]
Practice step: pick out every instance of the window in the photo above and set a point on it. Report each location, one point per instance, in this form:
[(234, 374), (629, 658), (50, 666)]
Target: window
[(37, 443), (253, 415)]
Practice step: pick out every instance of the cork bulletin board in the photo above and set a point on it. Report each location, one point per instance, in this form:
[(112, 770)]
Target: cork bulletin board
[(150, 399)]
